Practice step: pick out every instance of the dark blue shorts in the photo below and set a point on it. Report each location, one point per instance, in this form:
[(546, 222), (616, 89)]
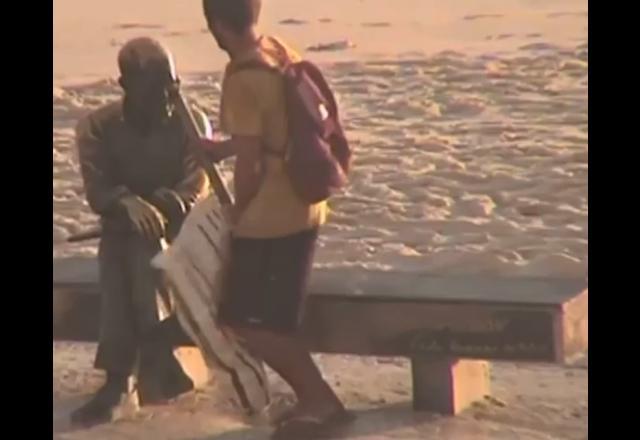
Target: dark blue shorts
[(267, 281)]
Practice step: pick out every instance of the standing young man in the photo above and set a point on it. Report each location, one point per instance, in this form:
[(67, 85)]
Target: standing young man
[(274, 231)]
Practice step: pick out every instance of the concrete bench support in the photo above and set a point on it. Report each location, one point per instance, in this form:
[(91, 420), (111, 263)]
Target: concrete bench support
[(448, 386), (193, 364)]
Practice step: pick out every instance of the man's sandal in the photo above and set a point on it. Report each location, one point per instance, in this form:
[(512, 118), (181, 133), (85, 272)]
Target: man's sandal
[(308, 427)]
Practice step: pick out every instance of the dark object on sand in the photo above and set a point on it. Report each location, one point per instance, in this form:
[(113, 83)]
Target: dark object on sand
[(332, 47), (377, 24), (310, 428), (481, 16), (293, 21)]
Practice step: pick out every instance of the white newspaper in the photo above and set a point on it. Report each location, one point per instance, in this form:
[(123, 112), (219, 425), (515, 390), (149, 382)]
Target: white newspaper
[(195, 265)]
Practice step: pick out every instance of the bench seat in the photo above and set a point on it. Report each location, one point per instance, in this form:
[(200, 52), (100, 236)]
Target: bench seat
[(448, 326)]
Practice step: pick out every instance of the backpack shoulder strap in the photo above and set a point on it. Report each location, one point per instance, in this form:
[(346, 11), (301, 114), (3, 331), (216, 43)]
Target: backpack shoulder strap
[(318, 79), (253, 64)]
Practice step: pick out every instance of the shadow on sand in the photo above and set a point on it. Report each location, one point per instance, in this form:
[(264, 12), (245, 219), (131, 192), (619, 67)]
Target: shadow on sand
[(396, 418)]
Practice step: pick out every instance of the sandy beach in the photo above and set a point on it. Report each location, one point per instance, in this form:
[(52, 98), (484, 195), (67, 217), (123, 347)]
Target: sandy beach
[(469, 121), (528, 402)]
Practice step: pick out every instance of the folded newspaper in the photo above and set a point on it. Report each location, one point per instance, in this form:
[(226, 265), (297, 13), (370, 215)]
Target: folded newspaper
[(195, 265)]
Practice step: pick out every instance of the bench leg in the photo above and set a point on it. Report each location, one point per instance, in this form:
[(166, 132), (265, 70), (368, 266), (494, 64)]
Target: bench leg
[(192, 362), (448, 386), (193, 365), (190, 358)]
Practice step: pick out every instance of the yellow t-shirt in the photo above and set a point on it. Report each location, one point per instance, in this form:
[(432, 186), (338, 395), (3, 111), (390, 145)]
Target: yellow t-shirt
[(253, 104)]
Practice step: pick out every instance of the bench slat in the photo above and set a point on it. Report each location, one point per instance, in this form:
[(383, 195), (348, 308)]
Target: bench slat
[(366, 285)]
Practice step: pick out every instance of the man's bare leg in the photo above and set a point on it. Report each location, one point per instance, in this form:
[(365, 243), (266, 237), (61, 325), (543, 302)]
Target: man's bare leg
[(288, 357)]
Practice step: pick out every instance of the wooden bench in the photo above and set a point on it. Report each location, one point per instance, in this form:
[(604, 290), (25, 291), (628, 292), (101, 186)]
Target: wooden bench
[(449, 327)]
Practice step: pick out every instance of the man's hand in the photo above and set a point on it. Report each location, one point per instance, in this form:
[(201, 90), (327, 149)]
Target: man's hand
[(147, 220), (169, 203), (231, 214), (216, 149)]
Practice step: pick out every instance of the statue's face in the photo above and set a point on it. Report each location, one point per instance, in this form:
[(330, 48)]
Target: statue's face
[(147, 93)]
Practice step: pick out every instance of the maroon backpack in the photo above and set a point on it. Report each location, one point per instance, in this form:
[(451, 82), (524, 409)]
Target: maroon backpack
[(318, 155)]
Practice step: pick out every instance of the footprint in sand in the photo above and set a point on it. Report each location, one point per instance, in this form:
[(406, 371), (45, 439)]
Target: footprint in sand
[(539, 47), (174, 34), (292, 22), (534, 208), (464, 106), (332, 47), (481, 16), (377, 24), (137, 26), (475, 206), (567, 14)]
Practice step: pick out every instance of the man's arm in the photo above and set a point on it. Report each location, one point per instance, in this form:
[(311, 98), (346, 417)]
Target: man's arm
[(248, 167), (248, 172), (195, 184), (176, 200), (218, 150), (242, 119), (101, 187)]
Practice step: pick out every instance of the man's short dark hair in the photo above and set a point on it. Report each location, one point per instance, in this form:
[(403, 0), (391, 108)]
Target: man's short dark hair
[(238, 15)]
